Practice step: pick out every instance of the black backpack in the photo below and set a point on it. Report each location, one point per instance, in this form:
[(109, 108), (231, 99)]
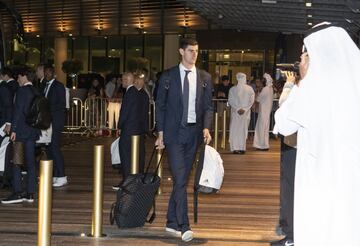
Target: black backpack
[(39, 115)]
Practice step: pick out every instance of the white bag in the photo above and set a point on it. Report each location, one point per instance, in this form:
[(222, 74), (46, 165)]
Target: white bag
[(115, 154), (212, 174), (45, 137), (3, 147)]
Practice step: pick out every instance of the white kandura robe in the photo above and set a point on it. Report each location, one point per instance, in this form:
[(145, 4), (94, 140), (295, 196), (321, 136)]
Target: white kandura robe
[(265, 99), (241, 96), (324, 110)]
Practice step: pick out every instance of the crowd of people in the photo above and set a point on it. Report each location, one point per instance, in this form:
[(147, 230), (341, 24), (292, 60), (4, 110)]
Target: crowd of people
[(251, 102), (18, 89), (317, 187)]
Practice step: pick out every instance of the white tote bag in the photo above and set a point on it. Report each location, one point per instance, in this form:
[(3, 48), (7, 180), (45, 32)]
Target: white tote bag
[(3, 147), (115, 154), (45, 137), (213, 170)]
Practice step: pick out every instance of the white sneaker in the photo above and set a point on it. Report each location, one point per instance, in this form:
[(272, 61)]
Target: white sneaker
[(173, 231), (54, 179), (187, 236), (60, 181)]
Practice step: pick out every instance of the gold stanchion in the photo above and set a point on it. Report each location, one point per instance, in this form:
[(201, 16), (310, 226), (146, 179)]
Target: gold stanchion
[(45, 201), (223, 142), (160, 171), (135, 146), (216, 130), (97, 214)]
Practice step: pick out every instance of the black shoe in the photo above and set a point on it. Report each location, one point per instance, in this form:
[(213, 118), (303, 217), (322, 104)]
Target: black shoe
[(283, 242), (13, 198), (29, 197), (241, 152)]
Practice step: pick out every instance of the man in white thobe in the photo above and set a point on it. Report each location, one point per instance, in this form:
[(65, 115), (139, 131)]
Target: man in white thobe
[(241, 98), (265, 100), (327, 119)]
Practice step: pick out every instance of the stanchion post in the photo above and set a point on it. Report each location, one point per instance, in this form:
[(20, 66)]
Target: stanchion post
[(216, 130), (223, 142), (45, 202), (135, 147), (160, 169), (97, 214)]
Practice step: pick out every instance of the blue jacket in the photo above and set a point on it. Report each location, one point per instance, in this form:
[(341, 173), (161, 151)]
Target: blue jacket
[(130, 122), (169, 105), (24, 98), (6, 104), (57, 101)]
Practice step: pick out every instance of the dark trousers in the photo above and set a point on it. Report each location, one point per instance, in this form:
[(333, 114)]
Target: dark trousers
[(29, 149), (54, 152), (125, 154), (181, 156), (287, 178)]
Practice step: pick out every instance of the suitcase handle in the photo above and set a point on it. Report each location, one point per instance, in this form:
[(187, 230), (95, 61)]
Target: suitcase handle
[(148, 167), (112, 211)]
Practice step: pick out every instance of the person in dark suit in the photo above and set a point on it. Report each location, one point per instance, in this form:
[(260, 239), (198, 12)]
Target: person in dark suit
[(144, 116), (184, 114), (129, 124), (40, 82), (7, 75), (6, 109), (55, 93), (22, 132)]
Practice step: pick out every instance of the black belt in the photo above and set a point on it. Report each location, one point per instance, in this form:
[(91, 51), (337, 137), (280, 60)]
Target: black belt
[(190, 124)]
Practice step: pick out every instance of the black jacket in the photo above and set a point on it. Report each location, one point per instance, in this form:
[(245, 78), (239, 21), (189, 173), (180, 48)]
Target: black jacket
[(130, 119)]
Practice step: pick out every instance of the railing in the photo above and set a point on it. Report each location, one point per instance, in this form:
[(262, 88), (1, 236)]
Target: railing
[(75, 116), (91, 116)]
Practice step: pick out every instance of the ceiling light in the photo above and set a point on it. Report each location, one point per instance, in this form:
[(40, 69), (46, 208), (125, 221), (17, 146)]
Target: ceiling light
[(310, 24), (70, 34), (38, 36), (308, 4), (309, 16), (226, 56), (268, 1)]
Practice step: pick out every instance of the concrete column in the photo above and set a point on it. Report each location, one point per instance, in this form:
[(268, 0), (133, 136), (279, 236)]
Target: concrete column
[(60, 57), (171, 50)]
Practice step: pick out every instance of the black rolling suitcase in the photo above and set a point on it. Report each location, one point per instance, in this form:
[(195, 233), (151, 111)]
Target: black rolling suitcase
[(135, 198)]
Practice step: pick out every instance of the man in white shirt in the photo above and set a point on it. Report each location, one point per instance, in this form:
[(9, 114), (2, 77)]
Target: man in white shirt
[(112, 94), (184, 114)]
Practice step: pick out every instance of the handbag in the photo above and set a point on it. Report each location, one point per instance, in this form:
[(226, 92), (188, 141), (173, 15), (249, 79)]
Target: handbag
[(18, 153)]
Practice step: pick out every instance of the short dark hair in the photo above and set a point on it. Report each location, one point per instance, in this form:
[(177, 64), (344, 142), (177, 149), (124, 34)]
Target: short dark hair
[(7, 71), (185, 42), (28, 72), (49, 67), (224, 77)]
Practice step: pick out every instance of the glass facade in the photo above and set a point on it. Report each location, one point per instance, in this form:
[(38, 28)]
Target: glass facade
[(115, 54)]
